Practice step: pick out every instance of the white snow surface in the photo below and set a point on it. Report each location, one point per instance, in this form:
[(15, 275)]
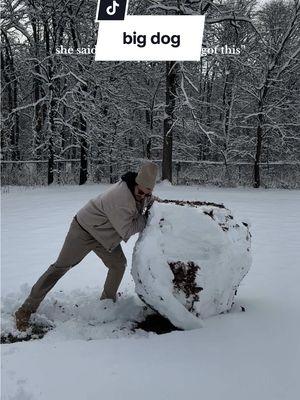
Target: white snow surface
[(92, 353), (207, 238)]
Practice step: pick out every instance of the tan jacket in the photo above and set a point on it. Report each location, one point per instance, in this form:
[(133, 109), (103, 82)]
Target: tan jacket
[(112, 216)]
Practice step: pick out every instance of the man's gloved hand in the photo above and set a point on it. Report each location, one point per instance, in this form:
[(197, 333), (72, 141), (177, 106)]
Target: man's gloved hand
[(146, 214), (150, 202), (149, 205)]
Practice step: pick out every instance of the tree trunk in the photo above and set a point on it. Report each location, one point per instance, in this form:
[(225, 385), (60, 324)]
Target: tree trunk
[(12, 90), (149, 122), (82, 120), (51, 106), (259, 133), (169, 119), (83, 153), (39, 111), (50, 161)]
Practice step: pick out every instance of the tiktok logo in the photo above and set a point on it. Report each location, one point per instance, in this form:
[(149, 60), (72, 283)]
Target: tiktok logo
[(111, 10)]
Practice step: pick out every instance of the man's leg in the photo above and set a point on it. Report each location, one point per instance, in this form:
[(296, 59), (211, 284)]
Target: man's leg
[(77, 245), (116, 264)]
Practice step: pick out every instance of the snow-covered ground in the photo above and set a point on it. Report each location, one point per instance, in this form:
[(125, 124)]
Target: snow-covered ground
[(92, 352)]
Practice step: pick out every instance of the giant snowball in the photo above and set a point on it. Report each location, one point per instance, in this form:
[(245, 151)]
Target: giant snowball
[(189, 260)]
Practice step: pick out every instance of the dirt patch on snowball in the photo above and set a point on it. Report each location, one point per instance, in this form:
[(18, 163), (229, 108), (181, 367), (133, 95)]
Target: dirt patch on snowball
[(190, 203), (185, 281)]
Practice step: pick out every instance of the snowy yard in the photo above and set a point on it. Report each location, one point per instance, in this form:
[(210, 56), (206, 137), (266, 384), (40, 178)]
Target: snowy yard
[(92, 353)]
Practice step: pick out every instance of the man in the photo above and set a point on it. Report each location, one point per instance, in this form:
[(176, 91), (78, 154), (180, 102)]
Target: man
[(99, 226)]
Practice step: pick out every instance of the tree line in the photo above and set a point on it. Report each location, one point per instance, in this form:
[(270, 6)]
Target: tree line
[(242, 106)]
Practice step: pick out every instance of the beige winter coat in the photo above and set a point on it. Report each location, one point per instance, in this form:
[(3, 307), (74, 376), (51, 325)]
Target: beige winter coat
[(112, 216)]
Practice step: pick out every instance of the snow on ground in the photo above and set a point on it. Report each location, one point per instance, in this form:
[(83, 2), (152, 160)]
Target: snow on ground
[(92, 352)]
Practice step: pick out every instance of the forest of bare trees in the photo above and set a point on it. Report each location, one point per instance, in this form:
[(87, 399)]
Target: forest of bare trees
[(228, 119)]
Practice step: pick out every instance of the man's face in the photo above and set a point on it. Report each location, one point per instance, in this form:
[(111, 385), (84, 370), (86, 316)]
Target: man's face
[(140, 192)]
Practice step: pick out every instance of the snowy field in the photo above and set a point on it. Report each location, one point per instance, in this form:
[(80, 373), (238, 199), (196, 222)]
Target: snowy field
[(92, 353)]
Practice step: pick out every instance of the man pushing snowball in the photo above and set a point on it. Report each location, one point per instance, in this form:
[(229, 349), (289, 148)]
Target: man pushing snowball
[(99, 226)]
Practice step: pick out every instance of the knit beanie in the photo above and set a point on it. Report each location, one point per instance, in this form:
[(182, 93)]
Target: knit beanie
[(147, 175)]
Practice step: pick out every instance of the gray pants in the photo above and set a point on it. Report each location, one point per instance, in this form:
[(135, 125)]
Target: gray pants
[(77, 245)]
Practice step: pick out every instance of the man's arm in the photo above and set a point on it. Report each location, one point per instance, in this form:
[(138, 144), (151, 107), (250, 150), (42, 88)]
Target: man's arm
[(124, 221)]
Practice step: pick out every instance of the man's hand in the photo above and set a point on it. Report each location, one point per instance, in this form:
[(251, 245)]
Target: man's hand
[(150, 202), (149, 205)]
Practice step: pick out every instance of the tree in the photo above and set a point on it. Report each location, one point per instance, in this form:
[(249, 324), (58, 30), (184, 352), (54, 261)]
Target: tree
[(281, 55)]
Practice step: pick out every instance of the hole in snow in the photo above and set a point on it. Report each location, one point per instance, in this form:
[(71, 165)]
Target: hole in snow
[(156, 323)]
